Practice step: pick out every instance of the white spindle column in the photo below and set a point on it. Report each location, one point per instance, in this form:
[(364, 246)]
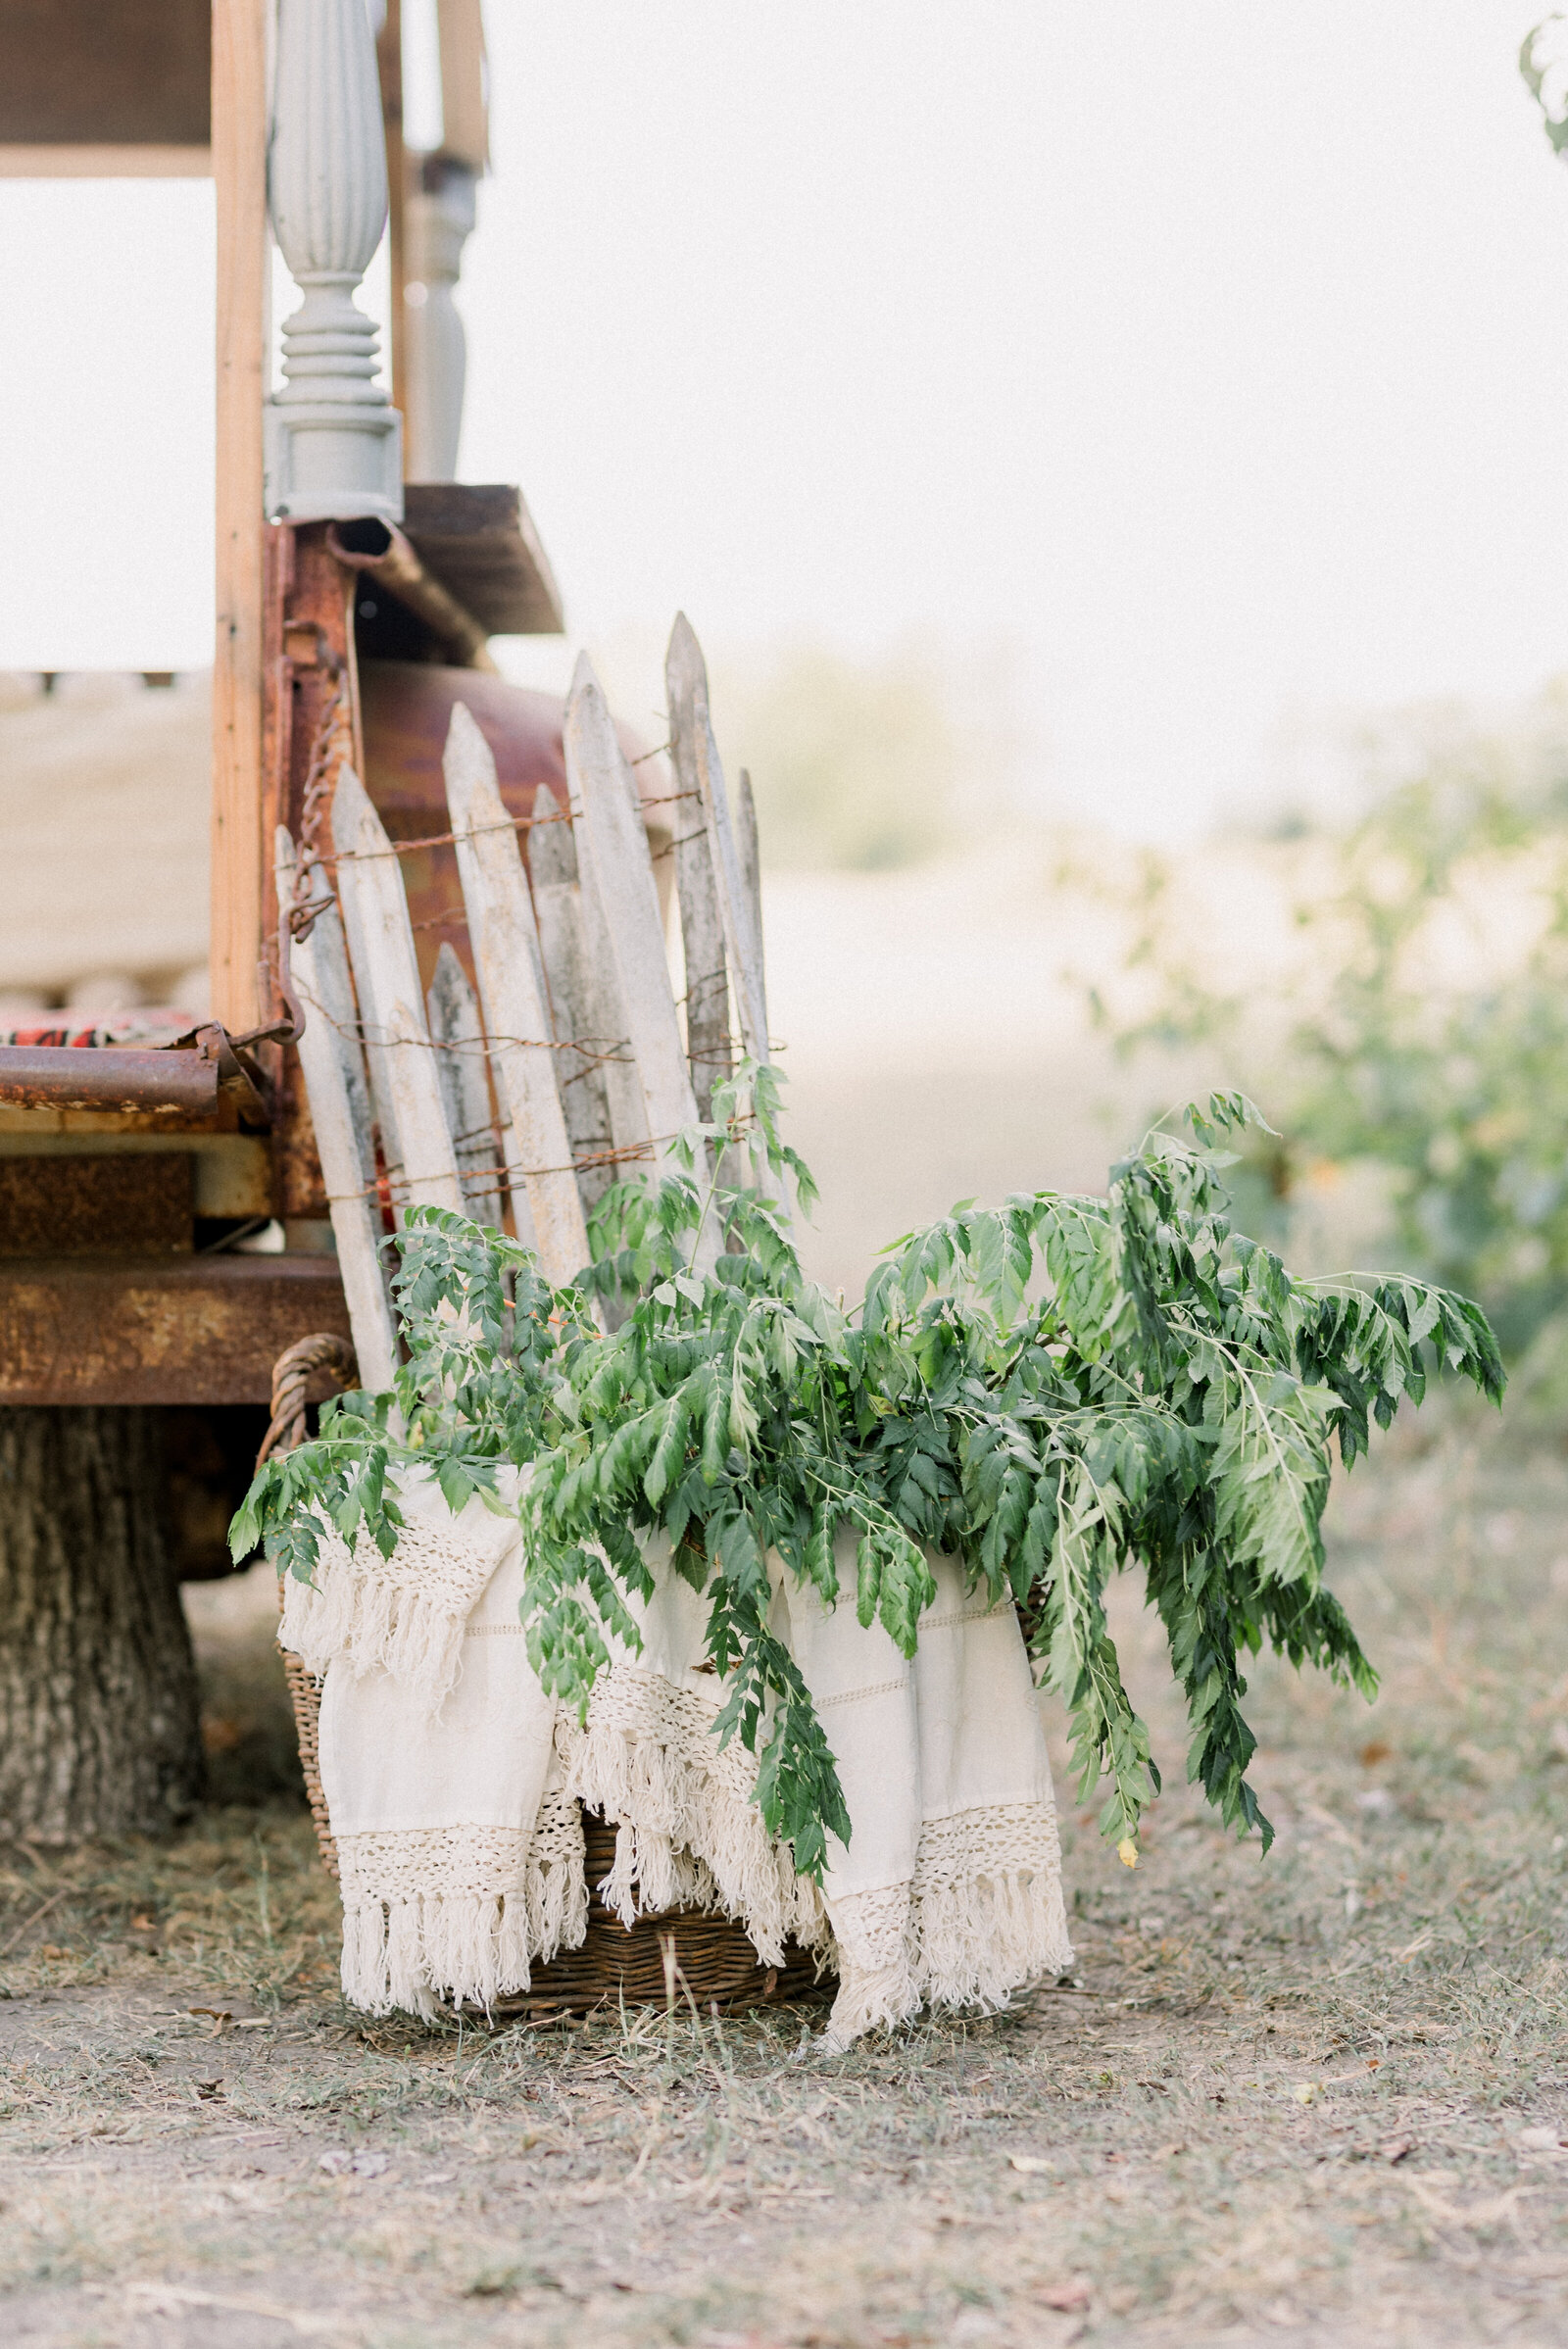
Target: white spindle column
[(438, 222), (333, 440)]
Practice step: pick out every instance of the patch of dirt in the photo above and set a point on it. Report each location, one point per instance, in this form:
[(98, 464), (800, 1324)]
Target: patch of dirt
[(1317, 2098)]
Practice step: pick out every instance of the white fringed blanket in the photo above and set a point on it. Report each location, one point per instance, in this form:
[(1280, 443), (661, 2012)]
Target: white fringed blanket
[(452, 1783)]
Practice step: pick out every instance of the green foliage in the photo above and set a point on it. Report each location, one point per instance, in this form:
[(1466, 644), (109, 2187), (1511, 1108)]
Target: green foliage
[(1053, 1390), (1535, 70), (858, 761), (1437, 1052)]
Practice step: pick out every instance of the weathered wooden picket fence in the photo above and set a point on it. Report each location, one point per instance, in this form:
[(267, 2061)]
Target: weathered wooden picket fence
[(569, 1063)]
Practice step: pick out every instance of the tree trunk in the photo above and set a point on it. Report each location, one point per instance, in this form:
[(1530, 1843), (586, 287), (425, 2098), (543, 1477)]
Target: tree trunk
[(99, 1722)]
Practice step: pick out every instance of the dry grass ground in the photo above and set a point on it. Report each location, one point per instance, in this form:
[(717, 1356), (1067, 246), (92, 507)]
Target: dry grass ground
[(1316, 2098)]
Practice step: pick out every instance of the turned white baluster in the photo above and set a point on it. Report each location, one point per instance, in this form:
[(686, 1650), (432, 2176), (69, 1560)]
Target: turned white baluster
[(334, 444), (437, 224)]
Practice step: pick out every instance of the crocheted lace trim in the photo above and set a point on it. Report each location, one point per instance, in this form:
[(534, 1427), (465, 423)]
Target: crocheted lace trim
[(982, 1915), (689, 1834), (406, 1613), (460, 1911)]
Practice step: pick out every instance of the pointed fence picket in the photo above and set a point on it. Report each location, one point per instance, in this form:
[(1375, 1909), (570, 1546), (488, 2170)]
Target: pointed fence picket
[(334, 1081), (750, 846), (612, 857), (505, 953), (587, 1054), (570, 1058), (462, 1058), (697, 764), (415, 1142)]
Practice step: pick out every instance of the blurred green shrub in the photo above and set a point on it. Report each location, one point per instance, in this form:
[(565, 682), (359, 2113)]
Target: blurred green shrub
[(853, 763), (1428, 1033)]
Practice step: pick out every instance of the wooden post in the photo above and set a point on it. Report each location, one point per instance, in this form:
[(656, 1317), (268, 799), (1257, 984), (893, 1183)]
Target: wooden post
[(240, 170), (333, 442), (389, 67)]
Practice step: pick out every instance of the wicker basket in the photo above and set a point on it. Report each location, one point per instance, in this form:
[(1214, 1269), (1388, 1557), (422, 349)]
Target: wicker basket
[(673, 1954)]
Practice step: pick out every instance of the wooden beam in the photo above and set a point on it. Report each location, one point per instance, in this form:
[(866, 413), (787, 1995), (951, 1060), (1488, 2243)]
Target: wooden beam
[(465, 98), (107, 161), (389, 68), (239, 164)]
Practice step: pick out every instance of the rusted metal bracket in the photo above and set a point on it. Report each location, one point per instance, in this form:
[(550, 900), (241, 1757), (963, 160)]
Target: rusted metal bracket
[(176, 1080), (183, 1081), (379, 550)]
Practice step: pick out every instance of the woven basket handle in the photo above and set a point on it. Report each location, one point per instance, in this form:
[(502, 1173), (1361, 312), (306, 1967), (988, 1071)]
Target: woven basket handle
[(291, 1377)]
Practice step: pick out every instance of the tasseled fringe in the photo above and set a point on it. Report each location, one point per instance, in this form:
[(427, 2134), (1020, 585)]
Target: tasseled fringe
[(688, 1834), (400, 1955), (977, 1941), (877, 1999), (361, 1617), (965, 1941)]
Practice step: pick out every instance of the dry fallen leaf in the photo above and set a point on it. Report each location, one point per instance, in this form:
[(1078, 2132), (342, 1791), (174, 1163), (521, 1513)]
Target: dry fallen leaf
[(1031, 2164), (1397, 2148), (1073, 2294)]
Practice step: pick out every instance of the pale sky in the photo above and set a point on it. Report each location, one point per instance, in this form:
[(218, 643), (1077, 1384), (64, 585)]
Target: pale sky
[(1213, 354)]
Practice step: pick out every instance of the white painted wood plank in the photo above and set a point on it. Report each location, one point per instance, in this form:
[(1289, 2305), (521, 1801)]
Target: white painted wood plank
[(328, 1055), (748, 844), (604, 1020), (615, 865), (334, 1000), (686, 688), (505, 953), (579, 1042), (702, 925), (461, 1064), (407, 1093)]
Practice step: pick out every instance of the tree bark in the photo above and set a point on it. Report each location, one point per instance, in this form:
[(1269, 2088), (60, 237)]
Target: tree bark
[(99, 1720)]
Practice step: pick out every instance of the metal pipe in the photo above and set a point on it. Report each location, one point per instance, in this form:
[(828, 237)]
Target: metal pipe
[(382, 552), (172, 1083)]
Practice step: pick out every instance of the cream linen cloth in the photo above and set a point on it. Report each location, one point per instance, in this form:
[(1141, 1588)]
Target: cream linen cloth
[(460, 1852), (453, 1782), (950, 1889)]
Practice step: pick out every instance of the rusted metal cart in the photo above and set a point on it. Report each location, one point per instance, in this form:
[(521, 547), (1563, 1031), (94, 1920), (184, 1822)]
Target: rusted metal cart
[(351, 608)]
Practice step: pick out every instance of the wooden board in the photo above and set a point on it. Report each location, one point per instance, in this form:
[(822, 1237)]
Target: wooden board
[(404, 1085), (106, 72), (481, 544), (697, 754), (240, 852), (330, 1056), (612, 859), (581, 1034), (462, 1067), (464, 113), (505, 953)]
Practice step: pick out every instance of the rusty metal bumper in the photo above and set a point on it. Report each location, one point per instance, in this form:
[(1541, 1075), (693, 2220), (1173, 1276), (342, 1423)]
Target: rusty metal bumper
[(140, 1330)]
